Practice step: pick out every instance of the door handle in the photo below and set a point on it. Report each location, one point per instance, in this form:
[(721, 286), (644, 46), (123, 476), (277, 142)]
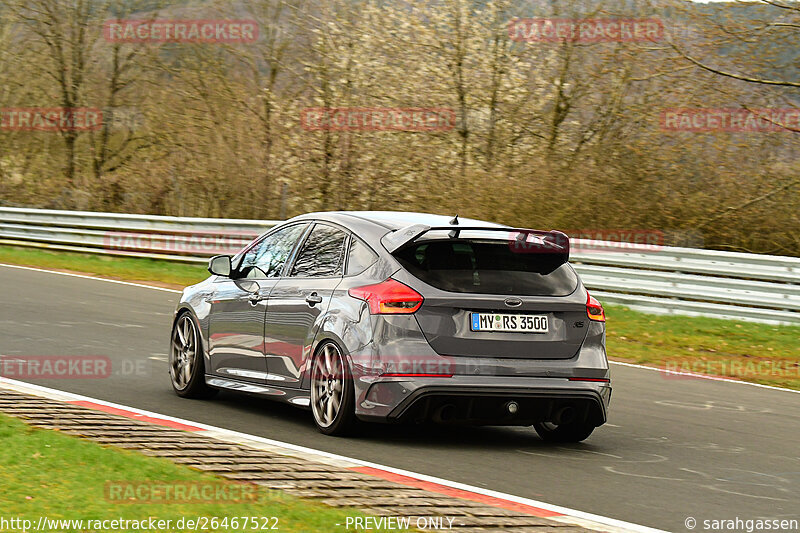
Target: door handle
[(257, 297), (313, 299)]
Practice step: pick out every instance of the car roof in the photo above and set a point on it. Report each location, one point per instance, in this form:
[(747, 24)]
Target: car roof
[(392, 220)]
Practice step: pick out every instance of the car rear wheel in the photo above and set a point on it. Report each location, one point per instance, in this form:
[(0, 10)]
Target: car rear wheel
[(573, 432), (332, 396), (186, 367)]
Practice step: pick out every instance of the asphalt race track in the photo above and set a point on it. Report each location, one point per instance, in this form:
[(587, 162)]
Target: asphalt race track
[(674, 447)]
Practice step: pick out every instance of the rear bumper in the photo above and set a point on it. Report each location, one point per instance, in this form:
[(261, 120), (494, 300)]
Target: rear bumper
[(483, 400)]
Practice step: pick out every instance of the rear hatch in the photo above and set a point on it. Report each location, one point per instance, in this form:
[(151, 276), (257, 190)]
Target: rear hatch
[(485, 297)]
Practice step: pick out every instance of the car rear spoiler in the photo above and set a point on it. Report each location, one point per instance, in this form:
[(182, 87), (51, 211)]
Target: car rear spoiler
[(552, 241)]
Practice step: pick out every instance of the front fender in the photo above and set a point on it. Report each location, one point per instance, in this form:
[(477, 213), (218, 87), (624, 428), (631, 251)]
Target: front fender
[(194, 300)]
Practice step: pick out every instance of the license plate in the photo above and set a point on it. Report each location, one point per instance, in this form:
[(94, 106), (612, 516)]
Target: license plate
[(508, 323)]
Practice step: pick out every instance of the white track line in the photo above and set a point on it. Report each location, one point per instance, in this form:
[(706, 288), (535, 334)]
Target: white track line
[(84, 276), (632, 365), (571, 516)]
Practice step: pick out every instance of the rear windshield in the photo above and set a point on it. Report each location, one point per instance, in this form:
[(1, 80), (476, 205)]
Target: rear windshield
[(488, 267)]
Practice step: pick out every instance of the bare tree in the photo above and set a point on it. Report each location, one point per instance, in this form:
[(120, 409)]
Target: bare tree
[(66, 31)]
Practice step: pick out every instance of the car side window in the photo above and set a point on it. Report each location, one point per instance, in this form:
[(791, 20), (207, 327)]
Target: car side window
[(360, 256), (321, 254), (267, 258)]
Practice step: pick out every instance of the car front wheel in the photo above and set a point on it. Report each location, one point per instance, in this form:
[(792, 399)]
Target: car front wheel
[(186, 367)]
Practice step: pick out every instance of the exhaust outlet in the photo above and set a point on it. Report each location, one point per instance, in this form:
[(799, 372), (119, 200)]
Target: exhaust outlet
[(444, 413), (565, 415), (512, 408)]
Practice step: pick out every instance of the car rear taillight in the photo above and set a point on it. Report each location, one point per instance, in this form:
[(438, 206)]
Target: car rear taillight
[(594, 310), (389, 297)]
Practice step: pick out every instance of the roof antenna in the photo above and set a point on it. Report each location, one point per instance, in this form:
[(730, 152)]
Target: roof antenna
[(453, 234)]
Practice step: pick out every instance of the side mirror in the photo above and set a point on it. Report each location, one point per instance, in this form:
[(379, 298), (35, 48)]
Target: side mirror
[(248, 285), (220, 265)]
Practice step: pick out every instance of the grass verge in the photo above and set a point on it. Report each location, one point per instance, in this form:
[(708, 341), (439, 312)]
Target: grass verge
[(164, 273), (60, 477), (760, 353), (744, 350)]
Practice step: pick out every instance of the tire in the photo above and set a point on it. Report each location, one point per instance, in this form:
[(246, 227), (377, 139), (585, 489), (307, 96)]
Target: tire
[(186, 364), (332, 392), (572, 432)]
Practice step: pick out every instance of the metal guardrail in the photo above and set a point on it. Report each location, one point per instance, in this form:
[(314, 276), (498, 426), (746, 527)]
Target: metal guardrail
[(186, 239), (684, 281)]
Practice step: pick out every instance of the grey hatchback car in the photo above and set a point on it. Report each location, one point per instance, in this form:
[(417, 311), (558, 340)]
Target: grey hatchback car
[(393, 316)]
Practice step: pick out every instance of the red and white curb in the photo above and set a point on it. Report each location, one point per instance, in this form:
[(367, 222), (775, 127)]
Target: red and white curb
[(430, 483)]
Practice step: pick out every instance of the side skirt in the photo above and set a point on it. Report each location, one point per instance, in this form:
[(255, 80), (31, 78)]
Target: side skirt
[(297, 397)]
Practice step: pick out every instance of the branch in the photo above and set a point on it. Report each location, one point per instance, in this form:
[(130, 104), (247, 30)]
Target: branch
[(748, 203), (761, 81)]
